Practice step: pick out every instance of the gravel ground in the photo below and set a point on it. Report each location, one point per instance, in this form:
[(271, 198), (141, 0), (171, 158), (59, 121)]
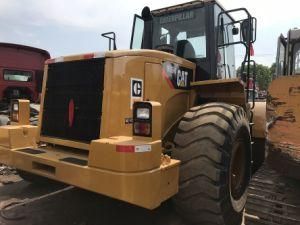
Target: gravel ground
[(8, 175), (72, 206), (58, 204)]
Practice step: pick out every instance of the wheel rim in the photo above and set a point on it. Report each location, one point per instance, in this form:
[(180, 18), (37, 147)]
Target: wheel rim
[(238, 177), (238, 171)]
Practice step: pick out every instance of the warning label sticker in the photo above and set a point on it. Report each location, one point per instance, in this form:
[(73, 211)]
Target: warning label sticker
[(142, 148)]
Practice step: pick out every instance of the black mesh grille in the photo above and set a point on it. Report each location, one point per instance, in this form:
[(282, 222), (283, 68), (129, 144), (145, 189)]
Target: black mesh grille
[(82, 83), (76, 161), (31, 151)]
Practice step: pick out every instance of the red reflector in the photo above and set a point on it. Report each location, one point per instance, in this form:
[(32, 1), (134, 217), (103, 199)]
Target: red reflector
[(71, 112), (125, 148), (251, 50), (142, 128), (88, 56)]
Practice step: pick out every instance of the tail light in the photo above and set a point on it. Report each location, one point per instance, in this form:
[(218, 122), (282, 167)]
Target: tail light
[(142, 119), (19, 111), (14, 111)]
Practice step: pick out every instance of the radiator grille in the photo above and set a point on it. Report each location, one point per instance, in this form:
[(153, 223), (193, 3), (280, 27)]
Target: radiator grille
[(79, 82)]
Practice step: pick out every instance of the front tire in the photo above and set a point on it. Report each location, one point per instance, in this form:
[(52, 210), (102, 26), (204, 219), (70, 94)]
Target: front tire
[(214, 145)]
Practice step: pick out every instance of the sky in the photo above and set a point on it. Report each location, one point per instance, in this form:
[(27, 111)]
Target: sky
[(65, 27)]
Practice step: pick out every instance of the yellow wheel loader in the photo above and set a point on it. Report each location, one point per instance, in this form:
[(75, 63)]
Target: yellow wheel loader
[(168, 119), (283, 109)]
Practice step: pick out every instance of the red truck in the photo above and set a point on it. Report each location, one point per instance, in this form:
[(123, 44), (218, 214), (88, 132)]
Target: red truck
[(21, 71)]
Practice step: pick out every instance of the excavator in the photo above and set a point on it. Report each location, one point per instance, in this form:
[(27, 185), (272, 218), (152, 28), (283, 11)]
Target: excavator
[(274, 193), (283, 109)]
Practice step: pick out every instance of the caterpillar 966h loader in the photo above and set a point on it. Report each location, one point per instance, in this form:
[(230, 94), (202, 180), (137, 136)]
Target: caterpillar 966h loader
[(167, 119), (283, 109)]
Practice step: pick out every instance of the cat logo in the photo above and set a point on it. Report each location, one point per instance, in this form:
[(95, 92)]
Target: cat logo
[(136, 88), (177, 77), (182, 79)]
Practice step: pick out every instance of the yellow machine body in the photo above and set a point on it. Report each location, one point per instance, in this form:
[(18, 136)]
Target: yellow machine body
[(119, 164), (283, 117), (143, 177), (259, 119)]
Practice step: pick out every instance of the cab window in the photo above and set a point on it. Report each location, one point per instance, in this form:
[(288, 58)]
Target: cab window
[(16, 75), (225, 54), (296, 59), (185, 32)]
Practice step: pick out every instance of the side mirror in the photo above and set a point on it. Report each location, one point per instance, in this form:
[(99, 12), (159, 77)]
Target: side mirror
[(111, 36), (146, 14), (245, 30), (235, 31), (248, 30)]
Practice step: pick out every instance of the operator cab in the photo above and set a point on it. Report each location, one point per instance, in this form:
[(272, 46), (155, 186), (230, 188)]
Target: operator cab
[(288, 54), (199, 31)]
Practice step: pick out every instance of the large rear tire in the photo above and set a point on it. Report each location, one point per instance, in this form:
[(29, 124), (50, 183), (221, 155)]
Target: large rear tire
[(214, 145)]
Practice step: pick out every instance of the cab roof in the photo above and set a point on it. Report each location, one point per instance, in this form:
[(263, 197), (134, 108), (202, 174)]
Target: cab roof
[(183, 6), (294, 34)]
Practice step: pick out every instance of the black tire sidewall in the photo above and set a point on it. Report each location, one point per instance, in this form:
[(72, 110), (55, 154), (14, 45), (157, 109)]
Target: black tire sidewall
[(230, 209), (241, 132)]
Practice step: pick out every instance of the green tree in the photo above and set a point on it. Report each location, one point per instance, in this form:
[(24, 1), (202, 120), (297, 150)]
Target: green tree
[(263, 75), (273, 69)]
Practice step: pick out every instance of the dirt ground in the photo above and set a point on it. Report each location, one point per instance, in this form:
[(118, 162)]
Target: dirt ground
[(58, 204), (72, 206)]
